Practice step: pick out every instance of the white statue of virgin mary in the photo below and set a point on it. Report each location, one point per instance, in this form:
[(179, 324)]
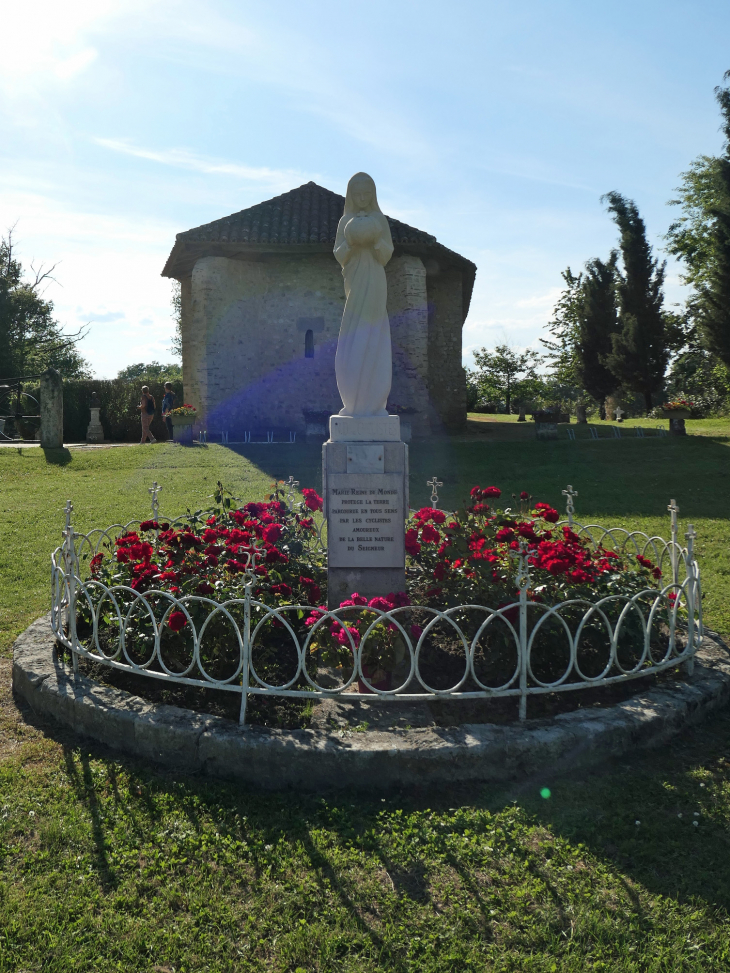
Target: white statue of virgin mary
[(363, 246)]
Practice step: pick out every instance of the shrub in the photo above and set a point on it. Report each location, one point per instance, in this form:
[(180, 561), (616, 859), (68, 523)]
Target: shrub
[(118, 413)]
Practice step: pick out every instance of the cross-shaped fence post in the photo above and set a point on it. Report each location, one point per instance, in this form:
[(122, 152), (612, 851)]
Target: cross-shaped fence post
[(673, 511), (691, 596), (570, 493), (292, 484), (70, 572), (523, 583), (154, 491), (434, 484)]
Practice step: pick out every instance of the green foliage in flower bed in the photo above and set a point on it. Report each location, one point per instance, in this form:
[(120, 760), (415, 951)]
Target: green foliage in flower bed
[(468, 558)]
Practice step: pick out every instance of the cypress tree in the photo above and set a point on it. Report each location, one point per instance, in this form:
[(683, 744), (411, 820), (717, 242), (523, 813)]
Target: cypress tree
[(639, 354), (597, 324)]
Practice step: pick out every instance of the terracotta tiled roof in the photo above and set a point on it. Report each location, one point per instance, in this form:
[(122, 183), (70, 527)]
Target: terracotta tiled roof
[(306, 217), (309, 214)]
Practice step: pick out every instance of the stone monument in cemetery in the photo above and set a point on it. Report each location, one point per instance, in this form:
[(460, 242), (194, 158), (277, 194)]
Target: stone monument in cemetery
[(261, 306), (95, 432), (364, 462)]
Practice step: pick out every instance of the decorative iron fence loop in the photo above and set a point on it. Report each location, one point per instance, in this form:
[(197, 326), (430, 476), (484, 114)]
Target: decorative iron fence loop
[(663, 628)]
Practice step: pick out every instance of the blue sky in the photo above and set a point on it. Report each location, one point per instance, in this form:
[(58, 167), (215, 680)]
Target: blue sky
[(495, 126)]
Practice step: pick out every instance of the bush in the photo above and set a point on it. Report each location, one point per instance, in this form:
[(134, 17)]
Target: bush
[(119, 414)]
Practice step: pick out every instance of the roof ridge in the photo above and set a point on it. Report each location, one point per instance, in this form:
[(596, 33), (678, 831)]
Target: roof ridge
[(294, 217)]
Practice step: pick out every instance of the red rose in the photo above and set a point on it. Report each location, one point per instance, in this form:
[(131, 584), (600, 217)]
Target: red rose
[(524, 495), (177, 621), (505, 534), (273, 533), (204, 588), (412, 546), (492, 492), (312, 499), (429, 535)]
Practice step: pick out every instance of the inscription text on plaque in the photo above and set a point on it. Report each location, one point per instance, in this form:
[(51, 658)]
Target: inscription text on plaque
[(365, 516)]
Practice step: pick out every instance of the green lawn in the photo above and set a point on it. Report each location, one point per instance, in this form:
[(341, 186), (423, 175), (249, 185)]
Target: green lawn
[(111, 865)]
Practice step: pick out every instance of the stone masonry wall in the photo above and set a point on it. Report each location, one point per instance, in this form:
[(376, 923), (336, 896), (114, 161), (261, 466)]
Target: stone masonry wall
[(244, 326), (249, 314), (446, 375), (408, 314)]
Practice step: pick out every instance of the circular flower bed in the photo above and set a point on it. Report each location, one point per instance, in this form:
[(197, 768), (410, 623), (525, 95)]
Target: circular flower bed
[(498, 602)]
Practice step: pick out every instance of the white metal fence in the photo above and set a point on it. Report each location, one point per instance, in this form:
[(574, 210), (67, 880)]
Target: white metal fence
[(638, 635)]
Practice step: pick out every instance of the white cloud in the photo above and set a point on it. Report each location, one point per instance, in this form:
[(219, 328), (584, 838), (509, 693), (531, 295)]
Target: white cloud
[(282, 179), (47, 40)]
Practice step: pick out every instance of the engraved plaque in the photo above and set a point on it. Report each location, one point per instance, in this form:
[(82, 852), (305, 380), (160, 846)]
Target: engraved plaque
[(365, 517)]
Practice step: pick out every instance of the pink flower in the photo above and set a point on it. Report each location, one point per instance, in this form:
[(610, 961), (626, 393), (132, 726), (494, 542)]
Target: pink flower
[(379, 603)]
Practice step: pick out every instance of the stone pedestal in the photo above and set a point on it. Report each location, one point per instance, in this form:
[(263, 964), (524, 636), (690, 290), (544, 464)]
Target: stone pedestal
[(51, 409), (365, 489), (95, 433), (677, 427)]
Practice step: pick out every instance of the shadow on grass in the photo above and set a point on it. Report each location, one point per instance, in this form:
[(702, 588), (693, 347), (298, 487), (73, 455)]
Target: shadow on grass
[(57, 457), (666, 854)]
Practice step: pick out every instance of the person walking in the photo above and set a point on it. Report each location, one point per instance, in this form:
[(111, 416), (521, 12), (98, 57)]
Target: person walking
[(168, 404), (147, 411)]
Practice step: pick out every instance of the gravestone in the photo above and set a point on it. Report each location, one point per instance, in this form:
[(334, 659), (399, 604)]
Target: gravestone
[(364, 462), (51, 409), (95, 432)]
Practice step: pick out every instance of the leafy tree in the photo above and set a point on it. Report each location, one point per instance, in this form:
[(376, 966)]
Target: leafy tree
[(30, 339), (639, 348), (507, 375), (176, 303), (565, 329), (151, 372), (584, 319), (701, 239), (700, 376)]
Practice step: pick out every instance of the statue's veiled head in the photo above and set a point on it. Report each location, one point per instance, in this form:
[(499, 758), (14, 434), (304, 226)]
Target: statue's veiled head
[(361, 195)]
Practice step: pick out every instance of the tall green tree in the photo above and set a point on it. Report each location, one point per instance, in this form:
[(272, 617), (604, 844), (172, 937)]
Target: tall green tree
[(507, 375), (30, 339), (565, 329), (701, 239), (598, 324), (640, 347), (584, 319)]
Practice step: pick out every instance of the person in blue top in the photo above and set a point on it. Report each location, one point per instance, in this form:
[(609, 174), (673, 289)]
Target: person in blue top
[(168, 404)]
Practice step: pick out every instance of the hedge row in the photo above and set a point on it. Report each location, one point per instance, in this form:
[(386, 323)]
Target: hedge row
[(118, 413)]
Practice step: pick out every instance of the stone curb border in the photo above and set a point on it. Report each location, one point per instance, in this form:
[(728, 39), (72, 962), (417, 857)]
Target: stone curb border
[(187, 741)]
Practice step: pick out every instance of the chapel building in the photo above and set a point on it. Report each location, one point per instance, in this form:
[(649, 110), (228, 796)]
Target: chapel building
[(262, 302)]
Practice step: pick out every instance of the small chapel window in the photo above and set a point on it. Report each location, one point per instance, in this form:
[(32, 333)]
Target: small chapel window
[(309, 344)]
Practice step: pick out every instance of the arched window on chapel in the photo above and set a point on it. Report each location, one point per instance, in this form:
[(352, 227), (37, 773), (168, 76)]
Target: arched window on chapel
[(309, 344)]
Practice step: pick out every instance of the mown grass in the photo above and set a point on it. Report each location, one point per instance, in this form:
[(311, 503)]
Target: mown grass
[(112, 865)]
